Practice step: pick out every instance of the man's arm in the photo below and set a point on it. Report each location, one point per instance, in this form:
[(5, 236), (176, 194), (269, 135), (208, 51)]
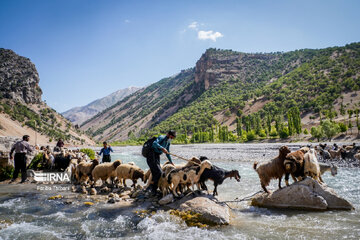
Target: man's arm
[(168, 155), (12, 151), (29, 148), (111, 149), (101, 151)]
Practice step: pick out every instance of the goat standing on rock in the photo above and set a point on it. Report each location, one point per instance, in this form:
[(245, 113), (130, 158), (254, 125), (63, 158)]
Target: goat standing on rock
[(273, 169)]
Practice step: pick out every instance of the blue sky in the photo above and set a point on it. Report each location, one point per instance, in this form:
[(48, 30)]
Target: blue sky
[(85, 50)]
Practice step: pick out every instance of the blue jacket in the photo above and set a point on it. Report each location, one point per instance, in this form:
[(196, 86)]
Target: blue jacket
[(160, 143), (106, 151)]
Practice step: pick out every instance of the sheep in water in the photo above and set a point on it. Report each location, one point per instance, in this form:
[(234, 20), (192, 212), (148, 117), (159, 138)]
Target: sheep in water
[(218, 175), (128, 171), (84, 169), (273, 169), (328, 167), (187, 175), (104, 171)]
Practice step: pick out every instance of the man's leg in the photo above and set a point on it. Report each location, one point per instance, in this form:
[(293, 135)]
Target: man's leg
[(154, 164), (23, 169), (16, 166)]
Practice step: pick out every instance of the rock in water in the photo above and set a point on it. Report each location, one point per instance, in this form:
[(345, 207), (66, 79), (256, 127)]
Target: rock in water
[(167, 199), (306, 195), (211, 211)]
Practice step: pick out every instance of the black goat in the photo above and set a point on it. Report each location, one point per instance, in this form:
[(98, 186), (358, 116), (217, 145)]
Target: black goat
[(61, 163), (218, 175)]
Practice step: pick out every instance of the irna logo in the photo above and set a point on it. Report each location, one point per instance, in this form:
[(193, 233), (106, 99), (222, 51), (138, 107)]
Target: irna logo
[(50, 176)]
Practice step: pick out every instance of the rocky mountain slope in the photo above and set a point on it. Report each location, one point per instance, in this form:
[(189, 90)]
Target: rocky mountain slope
[(78, 115), (226, 84), (21, 109)]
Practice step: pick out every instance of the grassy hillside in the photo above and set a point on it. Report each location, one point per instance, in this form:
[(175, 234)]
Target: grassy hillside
[(239, 90)]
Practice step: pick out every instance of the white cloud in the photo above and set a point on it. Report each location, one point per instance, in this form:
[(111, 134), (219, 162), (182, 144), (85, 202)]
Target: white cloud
[(127, 21), (205, 35), (193, 25)]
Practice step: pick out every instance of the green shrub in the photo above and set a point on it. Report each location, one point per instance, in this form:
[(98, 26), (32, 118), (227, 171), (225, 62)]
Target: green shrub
[(262, 133), (6, 172), (306, 132), (251, 135), (343, 127), (36, 162), (89, 152), (273, 132), (284, 132)]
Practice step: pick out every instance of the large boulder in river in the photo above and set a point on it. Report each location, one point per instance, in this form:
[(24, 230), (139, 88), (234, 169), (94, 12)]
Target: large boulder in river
[(207, 206), (307, 195)]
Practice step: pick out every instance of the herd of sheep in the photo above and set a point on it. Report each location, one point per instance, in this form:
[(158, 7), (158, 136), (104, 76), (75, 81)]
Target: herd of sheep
[(176, 179)]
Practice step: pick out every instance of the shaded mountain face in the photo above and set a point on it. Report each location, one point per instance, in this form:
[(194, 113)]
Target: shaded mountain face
[(78, 115), (225, 84), (21, 109), (19, 79)]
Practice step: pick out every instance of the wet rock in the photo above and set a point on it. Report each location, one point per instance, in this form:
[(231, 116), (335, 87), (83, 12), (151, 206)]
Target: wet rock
[(113, 195), (136, 193), (306, 195), (125, 193), (209, 210), (73, 188), (111, 200), (104, 190), (83, 190), (93, 191), (167, 199)]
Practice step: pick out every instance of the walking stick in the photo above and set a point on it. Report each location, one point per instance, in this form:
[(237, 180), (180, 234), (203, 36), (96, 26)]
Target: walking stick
[(182, 158)]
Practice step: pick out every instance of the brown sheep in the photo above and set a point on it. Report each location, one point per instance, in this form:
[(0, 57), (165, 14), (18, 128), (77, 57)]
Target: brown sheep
[(273, 169), (84, 169), (127, 171), (105, 170)]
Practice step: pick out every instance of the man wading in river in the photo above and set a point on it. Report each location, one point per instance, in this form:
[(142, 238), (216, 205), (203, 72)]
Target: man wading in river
[(20, 148), (106, 152), (159, 146)]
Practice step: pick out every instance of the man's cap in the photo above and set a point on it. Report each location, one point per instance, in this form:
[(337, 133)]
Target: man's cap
[(172, 133)]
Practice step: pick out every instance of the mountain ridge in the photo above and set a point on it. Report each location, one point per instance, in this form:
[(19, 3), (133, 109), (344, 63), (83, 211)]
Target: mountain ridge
[(78, 115), (223, 82)]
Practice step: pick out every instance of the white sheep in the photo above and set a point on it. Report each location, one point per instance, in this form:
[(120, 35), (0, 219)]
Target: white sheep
[(104, 171), (311, 165), (84, 169)]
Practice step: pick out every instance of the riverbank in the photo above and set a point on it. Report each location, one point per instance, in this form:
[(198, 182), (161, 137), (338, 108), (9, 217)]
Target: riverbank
[(28, 213)]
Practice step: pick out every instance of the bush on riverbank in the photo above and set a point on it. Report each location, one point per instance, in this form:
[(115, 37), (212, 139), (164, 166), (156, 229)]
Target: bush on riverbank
[(89, 152), (6, 172)]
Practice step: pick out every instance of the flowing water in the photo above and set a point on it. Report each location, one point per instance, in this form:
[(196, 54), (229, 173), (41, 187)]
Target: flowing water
[(27, 214)]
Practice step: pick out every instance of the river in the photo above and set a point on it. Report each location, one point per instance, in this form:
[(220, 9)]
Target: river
[(26, 212)]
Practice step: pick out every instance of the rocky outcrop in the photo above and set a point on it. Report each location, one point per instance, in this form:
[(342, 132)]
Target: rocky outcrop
[(19, 79), (208, 208), (305, 195)]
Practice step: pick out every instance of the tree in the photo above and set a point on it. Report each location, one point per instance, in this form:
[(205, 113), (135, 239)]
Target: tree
[(330, 128), (343, 127), (238, 127), (284, 132), (317, 132)]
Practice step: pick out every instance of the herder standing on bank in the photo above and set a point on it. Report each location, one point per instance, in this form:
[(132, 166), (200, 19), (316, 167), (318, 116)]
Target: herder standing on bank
[(159, 146), (20, 148), (106, 152)]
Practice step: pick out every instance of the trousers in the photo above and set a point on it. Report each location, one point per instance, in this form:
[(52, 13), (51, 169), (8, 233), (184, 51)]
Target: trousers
[(153, 161), (20, 165)]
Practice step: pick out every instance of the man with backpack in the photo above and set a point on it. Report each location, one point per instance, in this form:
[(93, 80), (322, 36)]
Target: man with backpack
[(152, 150)]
